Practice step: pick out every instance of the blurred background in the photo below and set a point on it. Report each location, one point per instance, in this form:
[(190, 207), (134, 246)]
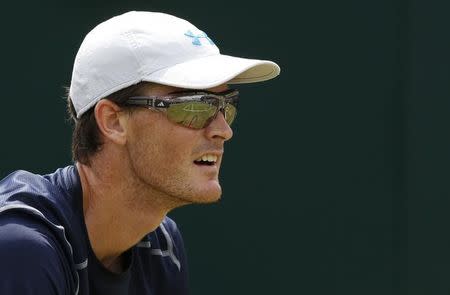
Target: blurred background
[(336, 180)]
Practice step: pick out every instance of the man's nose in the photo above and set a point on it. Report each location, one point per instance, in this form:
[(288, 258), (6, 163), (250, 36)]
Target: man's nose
[(219, 128)]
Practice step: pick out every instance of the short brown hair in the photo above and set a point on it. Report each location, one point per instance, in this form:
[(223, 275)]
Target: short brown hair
[(86, 139)]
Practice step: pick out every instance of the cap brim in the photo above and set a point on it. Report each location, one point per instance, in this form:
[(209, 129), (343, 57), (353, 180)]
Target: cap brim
[(214, 70)]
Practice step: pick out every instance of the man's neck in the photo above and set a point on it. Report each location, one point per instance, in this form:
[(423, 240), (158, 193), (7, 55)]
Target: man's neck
[(118, 214)]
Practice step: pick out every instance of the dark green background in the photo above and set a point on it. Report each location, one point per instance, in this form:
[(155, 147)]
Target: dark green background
[(336, 181)]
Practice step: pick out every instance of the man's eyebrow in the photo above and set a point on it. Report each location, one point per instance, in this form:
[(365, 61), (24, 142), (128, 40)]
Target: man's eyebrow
[(197, 90), (187, 91)]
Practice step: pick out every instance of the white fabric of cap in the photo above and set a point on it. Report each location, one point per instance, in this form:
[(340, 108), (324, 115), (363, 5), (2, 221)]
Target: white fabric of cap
[(155, 47)]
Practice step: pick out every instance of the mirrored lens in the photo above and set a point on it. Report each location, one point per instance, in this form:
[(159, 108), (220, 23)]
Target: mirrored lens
[(229, 113), (194, 114)]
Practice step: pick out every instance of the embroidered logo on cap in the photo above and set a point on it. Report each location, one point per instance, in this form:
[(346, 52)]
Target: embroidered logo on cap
[(197, 37)]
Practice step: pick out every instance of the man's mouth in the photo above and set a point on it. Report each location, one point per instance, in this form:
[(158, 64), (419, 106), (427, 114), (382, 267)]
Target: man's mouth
[(207, 159)]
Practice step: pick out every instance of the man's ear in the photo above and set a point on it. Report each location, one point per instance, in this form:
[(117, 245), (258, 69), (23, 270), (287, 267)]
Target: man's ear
[(111, 121)]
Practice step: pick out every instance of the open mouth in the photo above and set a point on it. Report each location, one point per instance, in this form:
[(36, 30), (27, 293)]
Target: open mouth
[(206, 160)]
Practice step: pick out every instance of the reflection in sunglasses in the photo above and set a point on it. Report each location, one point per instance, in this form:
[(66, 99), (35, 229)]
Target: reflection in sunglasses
[(192, 107)]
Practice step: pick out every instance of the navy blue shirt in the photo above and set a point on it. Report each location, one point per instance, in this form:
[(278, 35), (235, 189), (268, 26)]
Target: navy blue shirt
[(44, 246)]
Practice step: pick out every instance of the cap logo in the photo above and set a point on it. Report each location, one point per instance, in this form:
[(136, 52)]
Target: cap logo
[(197, 37)]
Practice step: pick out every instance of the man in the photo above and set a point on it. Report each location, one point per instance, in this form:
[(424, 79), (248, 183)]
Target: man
[(152, 109)]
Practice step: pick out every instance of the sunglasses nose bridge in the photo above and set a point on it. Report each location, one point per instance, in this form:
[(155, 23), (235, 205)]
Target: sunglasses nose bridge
[(220, 105)]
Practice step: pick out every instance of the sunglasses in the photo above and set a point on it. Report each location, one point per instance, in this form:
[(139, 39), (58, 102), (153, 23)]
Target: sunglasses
[(194, 109)]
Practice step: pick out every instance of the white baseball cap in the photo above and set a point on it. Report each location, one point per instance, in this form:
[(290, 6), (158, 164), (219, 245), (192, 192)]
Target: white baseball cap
[(154, 47)]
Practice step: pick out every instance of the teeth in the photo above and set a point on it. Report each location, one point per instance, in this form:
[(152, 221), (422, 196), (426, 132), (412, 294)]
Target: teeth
[(208, 158)]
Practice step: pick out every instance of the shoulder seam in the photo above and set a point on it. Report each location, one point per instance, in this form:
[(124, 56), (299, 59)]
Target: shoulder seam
[(36, 212)]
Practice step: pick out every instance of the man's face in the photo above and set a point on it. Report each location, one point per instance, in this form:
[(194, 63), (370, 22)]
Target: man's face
[(164, 155)]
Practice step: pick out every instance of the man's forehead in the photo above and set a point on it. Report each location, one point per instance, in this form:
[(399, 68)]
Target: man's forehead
[(159, 89)]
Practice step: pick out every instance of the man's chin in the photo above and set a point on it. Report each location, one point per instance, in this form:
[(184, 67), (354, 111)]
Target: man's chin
[(183, 201), (211, 199), (207, 198), (203, 196)]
